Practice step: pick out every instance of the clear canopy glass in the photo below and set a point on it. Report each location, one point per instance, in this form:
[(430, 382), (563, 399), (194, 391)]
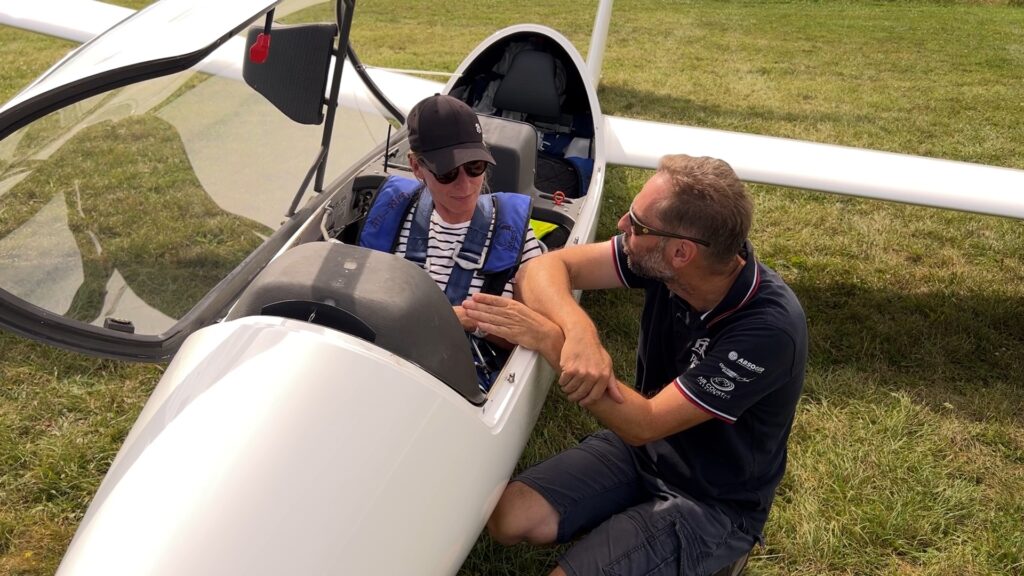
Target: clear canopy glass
[(131, 205)]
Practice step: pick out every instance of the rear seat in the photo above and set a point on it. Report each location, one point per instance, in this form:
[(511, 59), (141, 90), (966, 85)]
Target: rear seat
[(514, 147), (532, 89)]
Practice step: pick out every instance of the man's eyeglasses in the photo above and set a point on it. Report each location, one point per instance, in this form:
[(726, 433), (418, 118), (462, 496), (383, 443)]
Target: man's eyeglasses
[(641, 229), (473, 169)]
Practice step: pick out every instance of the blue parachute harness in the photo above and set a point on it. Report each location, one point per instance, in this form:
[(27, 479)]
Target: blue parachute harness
[(502, 216)]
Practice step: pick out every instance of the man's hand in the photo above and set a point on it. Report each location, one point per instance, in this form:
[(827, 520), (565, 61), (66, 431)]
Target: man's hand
[(586, 367), (516, 323), (587, 371)]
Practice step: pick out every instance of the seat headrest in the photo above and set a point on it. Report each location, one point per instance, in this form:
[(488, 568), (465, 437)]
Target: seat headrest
[(529, 86)]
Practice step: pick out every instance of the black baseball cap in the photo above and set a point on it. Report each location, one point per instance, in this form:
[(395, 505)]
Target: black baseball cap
[(445, 133)]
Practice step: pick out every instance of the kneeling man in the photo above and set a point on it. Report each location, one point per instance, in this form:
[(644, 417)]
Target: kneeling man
[(683, 477)]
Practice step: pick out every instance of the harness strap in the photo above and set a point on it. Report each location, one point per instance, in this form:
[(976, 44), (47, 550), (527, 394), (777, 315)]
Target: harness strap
[(390, 204), (498, 269), (471, 255), (502, 217), (495, 283), (511, 222), (419, 231)]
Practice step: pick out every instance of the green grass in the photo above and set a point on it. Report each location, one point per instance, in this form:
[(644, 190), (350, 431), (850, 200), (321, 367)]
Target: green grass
[(907, 455)]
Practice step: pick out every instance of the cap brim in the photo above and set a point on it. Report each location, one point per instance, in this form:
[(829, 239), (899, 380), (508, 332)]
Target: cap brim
[(446, 159)]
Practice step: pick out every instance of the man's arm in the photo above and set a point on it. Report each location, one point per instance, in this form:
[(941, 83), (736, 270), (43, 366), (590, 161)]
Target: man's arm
[(639, 420), (515, 323), (545, 284)]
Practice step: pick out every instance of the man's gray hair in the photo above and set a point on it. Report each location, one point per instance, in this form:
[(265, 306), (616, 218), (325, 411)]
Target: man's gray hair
[(708, 201)]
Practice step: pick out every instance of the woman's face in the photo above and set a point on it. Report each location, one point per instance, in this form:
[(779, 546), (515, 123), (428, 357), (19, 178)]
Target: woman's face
[(454, 201)]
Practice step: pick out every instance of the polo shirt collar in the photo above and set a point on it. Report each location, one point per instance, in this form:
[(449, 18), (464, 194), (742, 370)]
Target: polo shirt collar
[(741, 292)]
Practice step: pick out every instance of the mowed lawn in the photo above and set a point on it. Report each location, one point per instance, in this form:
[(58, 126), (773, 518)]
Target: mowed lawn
[(907, 455)]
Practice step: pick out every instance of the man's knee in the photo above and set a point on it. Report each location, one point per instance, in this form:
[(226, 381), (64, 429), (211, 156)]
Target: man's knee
[(522, 514)]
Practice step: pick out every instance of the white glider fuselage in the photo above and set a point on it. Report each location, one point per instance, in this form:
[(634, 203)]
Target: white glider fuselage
[(274, 446), (278, 445)]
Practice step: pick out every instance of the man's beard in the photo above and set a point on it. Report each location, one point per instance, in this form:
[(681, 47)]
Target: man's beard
[(650, 264)]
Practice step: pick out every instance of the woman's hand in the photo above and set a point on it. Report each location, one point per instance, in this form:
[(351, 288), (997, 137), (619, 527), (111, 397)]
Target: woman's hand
[(468, 324)]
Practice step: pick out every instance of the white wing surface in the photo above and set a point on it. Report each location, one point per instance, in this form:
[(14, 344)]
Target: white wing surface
[(629, 142), (78, 20), (825, 167)]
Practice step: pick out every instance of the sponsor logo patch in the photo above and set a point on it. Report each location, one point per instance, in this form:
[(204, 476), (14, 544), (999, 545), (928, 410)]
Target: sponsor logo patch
[(745, 363), (699, 347), (732, 373), (722, 384), (714, 388)]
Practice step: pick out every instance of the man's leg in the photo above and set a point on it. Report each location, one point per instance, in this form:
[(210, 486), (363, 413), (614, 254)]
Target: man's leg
[(669, 534), (568, 493), (522, 514)]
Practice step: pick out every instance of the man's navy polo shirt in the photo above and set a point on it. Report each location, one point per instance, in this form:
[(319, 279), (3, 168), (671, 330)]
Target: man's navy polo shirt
[(743, 363)]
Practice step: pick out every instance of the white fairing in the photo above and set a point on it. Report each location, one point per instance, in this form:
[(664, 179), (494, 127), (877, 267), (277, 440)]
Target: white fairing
[(274, 446)]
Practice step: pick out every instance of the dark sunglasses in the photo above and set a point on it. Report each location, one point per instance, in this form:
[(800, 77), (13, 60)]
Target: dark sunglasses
[(641, 229), (473, 169)]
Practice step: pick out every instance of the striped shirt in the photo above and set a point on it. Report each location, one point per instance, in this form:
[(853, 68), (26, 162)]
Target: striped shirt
[(445, 239)]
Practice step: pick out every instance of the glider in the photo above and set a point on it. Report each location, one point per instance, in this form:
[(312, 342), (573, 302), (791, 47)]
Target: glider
[(195, 199)]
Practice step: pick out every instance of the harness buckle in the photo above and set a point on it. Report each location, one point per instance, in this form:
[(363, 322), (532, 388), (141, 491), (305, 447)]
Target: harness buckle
[(476, 240), (468, 265)]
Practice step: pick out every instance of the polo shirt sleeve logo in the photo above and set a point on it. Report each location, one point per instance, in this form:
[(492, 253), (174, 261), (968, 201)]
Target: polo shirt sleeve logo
[(699, 348), (722, 384), (732, 374), (716, 386), (745, 363)]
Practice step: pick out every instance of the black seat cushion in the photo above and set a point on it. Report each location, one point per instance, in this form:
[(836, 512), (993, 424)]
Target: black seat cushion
[(529, 86)]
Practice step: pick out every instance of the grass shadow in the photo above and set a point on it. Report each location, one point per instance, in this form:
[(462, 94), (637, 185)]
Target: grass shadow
[(961, 349)]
